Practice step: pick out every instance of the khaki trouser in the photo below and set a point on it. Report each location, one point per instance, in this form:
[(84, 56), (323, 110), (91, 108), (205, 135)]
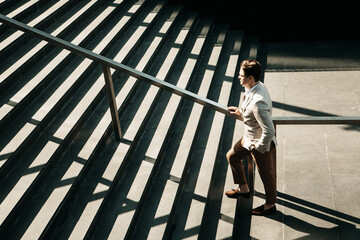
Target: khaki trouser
[(266, 165)]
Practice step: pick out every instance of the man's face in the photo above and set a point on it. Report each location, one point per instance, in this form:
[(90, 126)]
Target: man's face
[(243, 79)]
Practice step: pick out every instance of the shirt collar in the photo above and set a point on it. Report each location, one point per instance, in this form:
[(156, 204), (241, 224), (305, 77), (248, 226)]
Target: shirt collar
[(250, 90)]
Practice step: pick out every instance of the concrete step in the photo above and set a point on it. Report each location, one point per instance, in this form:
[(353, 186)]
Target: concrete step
[(146, 165), (156, 138), (185, 149), (65, 130), (62, 173), (151, 16), (27, 93), (17, 11), (45, 15), (30, 54), (121, 152), (61, 57), (201, 214), (8, 6), (130, 199)]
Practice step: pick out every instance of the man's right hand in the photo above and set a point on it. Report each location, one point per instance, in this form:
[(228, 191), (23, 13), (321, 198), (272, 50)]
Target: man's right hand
[(234, 110)]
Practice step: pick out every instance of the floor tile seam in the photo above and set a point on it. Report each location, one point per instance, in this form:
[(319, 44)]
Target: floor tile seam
[(345, 174), (329, 170), (358, 99), (283, 170)]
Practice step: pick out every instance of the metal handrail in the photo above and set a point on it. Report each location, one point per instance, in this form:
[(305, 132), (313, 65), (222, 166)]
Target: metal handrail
[(109, 63)]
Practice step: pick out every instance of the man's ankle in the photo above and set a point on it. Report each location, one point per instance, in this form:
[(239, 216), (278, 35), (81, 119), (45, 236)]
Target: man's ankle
[(244, 188), (268, 205)]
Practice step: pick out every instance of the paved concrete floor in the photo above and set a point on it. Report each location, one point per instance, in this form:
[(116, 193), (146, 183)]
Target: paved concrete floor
[(318, 166)]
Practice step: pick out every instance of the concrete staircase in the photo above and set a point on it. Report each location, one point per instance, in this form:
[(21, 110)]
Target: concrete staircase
[(63, 175)]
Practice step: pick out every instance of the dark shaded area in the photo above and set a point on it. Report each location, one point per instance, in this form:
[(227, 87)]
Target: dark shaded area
[(310, 56), (280, 20), (345, 224)]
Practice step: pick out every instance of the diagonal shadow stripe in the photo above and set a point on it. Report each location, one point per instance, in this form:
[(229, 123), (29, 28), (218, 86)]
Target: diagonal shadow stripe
[(310, 112)]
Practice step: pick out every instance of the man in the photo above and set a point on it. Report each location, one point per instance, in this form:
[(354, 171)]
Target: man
[(258, 140)]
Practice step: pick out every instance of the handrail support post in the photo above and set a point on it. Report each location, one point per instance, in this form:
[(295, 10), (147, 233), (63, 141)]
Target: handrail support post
[(112, 102)]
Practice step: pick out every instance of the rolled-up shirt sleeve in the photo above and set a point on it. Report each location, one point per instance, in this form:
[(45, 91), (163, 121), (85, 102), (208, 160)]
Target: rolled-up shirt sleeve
[(263, 117)]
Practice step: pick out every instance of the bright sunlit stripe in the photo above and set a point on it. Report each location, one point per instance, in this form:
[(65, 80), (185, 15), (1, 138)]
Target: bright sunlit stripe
[(46, 212), (10, 70), (208, 161), (109, 174), (225, 228), (146, 167), (37, 20), (21, 8), (16, 142), (133, 195), (90, 210), (61, 56), (25, 181), (4, 110), (166, 202)]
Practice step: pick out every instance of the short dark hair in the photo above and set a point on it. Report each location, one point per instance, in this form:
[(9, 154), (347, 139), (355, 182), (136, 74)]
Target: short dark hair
[(252, 68)]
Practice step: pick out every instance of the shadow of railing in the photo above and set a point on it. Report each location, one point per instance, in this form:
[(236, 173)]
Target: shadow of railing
[(306, 111), (345, 224)]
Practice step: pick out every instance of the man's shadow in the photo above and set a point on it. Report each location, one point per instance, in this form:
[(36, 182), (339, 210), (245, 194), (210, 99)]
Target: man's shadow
[(342, 231), (345, 225)]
